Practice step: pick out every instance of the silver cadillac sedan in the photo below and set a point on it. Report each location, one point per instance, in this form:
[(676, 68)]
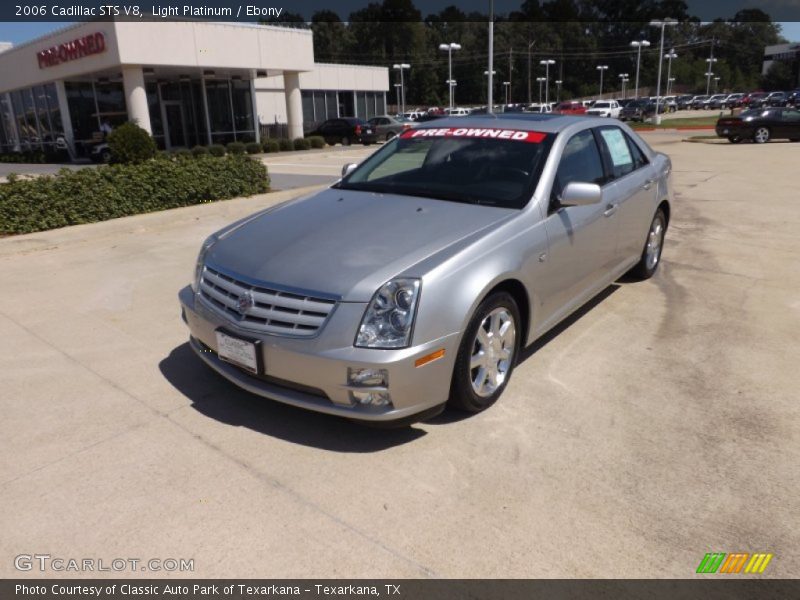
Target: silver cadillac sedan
[(417, 279)]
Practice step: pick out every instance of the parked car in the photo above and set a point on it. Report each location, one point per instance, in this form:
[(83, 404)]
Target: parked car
[(754, 99), (697, 101), (414, 114), (638, 110), (414, 283), (714, 102), (777, 99), (605, 108), (684, 102), (538, 108), (570, 108), (346, 130), (761, 125), (456, 112), (668, 104), (732, 101), (793, 99), (386, 127)]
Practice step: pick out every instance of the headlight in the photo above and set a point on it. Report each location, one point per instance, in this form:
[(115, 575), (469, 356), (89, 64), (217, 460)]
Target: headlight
[(389, 318), (201, 258)]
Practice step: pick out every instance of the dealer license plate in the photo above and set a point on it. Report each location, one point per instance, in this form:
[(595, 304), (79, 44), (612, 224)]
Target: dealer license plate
[(237, 351)]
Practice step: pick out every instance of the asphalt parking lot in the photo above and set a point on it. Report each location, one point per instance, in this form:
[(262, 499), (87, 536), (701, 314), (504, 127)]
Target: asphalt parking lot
[(658, 424)]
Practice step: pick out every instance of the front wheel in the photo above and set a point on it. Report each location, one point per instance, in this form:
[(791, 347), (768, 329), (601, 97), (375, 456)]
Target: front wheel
[(651, 255), (487, 354), (734, 139), (761, 136)]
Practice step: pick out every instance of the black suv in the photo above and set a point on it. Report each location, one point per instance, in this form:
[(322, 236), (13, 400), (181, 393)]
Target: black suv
[(346, 130)]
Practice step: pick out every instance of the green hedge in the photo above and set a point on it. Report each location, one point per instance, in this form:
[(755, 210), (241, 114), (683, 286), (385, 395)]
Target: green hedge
[(271, 146), (285, 145), (108, 192), (129, 143), (253, 148), (316, 141), (235, 148), (301, 144), (217, 150)]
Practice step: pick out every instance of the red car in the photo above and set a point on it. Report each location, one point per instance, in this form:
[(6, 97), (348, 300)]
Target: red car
[(570, 108)]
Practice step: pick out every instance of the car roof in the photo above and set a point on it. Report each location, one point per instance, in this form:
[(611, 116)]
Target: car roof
[(544, 123)]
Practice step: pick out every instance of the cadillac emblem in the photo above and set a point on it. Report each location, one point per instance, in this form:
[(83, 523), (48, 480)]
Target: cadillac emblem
[(245, 302)]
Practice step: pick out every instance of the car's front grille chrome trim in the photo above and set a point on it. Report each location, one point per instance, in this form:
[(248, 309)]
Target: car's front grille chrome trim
[(263, 308)]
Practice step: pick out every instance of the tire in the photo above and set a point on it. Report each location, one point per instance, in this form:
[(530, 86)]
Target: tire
[(794, 139), (330, 141), (474, 389), (761, 135), (651, 255), (345, 141), (734, 139), (390, 136), (105, 157)]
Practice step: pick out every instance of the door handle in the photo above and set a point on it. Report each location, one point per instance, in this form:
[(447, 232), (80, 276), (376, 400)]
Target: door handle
[(648, 183), (610, 209)]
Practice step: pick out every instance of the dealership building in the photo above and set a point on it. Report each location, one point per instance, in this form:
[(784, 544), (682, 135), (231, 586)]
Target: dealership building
[(186, 82)]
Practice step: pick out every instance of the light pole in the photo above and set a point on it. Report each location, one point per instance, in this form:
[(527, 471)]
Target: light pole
[(490, 71), (506, 84), (710, 62), (486, 74), (529, 70), (558, 90), (397, 91), (669, 56), (602, 69), (547, 64), (670, 81), (639, 45), (402, 67), (716, 84), (663, 24), (623, 79), (449, 49), (541, 80)]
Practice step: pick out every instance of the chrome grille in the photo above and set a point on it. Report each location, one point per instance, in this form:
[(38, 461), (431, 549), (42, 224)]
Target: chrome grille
[(263, 309)]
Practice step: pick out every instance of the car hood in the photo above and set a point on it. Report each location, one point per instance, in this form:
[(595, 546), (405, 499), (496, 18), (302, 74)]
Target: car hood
[(347, 243)]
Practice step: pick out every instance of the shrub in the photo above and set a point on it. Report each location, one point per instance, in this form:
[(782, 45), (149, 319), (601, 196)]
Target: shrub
[(271, 146), (285, 145), (183, 153), (235, 148), (253, 148), (316, 141), (216, 150), (200, 151), (301, 144), (112, 191), (129, 143)]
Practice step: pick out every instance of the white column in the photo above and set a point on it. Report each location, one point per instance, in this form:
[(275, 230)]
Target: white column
[(66, 118), (136, 96), (294, 104)]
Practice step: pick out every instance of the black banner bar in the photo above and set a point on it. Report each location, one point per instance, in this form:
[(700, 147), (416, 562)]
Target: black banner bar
[(712, 588)]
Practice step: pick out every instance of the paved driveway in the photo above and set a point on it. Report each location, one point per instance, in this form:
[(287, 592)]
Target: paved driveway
[(658, 424)]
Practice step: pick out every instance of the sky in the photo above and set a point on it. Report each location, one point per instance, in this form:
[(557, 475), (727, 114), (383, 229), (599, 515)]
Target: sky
[(22, 32)]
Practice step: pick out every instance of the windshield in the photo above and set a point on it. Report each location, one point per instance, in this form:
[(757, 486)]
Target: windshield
[(471, 165), (601, 105)]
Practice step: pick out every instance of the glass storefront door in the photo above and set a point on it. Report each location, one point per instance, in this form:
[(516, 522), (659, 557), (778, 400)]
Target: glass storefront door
[(174, 124)]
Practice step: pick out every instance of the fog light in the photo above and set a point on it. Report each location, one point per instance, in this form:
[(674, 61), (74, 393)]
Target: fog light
[(372, 398), (368, 377)]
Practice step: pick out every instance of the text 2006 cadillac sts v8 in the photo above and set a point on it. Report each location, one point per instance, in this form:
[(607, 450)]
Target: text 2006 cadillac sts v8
[(417, 279)]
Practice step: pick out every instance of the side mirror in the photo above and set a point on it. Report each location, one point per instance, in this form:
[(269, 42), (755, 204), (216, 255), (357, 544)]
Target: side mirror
[(348, 168), (581, 194)]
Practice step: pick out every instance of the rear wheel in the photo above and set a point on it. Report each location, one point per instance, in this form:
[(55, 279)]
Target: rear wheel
[(651, 254), (487, 354), (345, 141), (761, 136)]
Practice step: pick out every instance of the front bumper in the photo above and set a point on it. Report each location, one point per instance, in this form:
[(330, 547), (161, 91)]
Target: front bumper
[(311, 373)]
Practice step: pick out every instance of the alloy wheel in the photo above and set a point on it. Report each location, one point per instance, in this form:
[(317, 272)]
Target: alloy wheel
[(492, 352)]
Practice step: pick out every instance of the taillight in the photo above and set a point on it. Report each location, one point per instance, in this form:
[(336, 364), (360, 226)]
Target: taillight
[(358, 129), (406, 126)]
